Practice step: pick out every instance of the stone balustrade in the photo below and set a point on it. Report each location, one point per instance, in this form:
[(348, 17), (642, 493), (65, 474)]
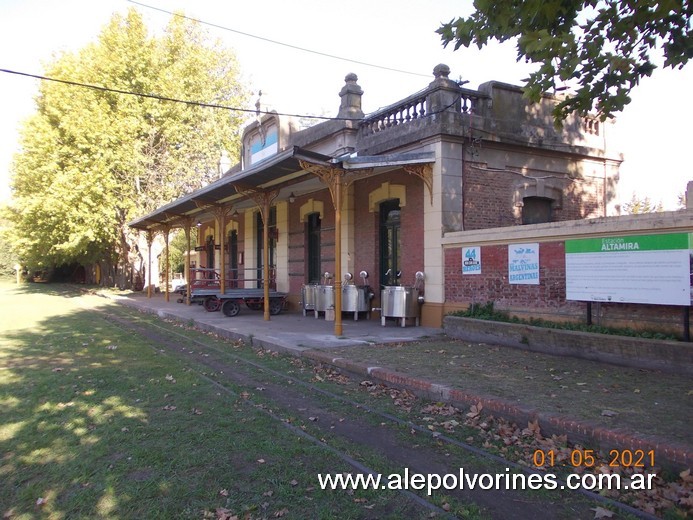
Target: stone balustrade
[(415, 108)]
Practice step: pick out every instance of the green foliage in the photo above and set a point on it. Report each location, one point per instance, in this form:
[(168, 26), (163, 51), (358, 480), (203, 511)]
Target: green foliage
[(92, 160), (639, 206), (178, 247), (603, 47), (487, 312), (483, 311), (8, 259)]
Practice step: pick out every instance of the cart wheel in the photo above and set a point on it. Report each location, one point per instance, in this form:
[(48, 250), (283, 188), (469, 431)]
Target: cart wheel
[(212, 304), (230, 308), (276, 305)]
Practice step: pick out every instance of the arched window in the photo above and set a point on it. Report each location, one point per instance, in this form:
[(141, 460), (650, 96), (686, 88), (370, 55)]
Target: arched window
[(233, 257), (210, 251), (312, 247), (272, 246), (390, 241)]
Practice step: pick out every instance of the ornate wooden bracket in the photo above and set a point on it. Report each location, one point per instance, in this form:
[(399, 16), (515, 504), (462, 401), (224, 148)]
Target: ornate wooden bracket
[(262, 198), (329, 176), (424, 172), (332, 177), (221, 212)]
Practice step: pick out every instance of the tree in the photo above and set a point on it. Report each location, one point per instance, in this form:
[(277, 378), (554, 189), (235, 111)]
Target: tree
[(92, 159), (178, 249), (639, 206), (8, 259), (681, 201), (604, 47)]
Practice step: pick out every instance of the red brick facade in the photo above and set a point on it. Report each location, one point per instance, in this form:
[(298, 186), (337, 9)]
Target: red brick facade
[(490, 201), (546, 300)]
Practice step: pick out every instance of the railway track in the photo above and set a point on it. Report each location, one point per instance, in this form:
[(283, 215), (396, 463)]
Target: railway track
[(353, 430)]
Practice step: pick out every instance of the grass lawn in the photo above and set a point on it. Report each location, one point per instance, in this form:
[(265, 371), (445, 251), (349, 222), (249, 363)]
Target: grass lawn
[(95, 423)]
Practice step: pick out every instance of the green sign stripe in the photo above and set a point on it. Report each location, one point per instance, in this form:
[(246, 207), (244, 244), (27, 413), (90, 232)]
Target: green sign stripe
[(662, 242)]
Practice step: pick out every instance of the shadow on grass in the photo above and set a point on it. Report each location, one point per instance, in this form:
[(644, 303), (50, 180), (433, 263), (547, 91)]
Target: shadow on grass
[(68, 398), (51, 289), (95, 423)]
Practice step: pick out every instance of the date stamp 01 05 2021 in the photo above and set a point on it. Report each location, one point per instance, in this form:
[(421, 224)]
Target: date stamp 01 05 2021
[(588, 458)]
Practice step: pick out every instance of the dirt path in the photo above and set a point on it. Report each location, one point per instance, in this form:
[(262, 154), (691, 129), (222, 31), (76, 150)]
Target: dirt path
[(351, 426)]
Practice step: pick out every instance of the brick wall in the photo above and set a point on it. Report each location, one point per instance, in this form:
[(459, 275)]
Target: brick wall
[(367, 247), (298, 261), (488, 201), (366, 228), (546, 300), (489, 197)]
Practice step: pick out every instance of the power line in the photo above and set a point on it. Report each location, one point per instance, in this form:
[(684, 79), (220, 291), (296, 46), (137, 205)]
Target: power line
[(198, 103), (303, 49), (172, 100)]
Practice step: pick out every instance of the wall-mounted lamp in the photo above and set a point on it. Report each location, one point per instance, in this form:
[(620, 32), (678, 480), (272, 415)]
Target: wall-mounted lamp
[(235, 214), (292, 197), (199, 224)]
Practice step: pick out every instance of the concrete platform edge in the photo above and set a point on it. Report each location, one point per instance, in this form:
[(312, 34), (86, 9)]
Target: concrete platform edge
[(668, 454)]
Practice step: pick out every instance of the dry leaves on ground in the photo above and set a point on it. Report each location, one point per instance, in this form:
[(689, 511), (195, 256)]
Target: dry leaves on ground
[(520, 444)]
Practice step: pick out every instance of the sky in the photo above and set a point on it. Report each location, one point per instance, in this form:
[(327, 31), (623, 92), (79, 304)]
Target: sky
[(377, 36)]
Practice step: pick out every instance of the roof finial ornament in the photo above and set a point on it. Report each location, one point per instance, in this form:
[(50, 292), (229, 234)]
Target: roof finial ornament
[(441, 70), (351, 93)]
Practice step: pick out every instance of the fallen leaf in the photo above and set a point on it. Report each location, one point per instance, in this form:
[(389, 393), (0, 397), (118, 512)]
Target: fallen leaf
[(533, 428), (169, 408), (261, 461), (609, 413), (280, 513), (600, 512), (224, 492), (475, 410), (225, 514)]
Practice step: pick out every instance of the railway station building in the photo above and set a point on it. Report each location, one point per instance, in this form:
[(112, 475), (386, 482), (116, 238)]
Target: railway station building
[(412, 188)]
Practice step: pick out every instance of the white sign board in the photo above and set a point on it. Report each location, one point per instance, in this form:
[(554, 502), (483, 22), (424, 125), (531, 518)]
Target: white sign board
[(471, 260), (652, 269), (523, 264)]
